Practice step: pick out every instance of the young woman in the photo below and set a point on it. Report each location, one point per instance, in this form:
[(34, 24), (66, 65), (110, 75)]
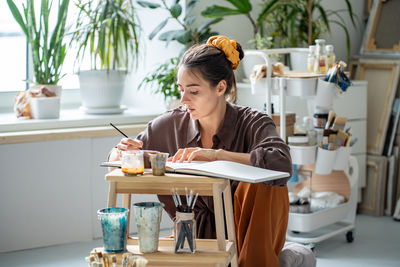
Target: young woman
[(208, 127)]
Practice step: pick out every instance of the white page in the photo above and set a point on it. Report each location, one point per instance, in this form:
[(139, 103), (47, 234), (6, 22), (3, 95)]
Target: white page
[(231, 170)]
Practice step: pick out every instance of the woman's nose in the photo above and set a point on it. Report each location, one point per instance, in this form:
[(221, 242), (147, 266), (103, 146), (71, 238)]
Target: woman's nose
[(184, 97)]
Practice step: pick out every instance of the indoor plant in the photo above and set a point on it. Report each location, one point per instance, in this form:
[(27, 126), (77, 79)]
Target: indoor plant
[(282, 24), (108, 32), (46, 46), (165, 74)]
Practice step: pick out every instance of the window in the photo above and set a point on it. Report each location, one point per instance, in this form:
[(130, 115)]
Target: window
[(13, 48), (14, 66)]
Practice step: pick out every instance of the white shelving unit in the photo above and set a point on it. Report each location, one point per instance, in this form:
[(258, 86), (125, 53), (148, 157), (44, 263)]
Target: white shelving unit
[(310, 228)]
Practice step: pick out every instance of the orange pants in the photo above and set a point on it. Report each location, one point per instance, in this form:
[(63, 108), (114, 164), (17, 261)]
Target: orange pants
[(261, 218)]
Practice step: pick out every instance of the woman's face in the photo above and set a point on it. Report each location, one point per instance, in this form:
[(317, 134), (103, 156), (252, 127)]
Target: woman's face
[(199, 98)]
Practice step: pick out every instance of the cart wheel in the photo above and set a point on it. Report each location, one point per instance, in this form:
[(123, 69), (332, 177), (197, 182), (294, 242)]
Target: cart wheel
[(349, 236)]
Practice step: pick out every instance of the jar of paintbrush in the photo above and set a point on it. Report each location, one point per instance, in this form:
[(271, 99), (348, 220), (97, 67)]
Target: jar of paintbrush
[(184, 222)]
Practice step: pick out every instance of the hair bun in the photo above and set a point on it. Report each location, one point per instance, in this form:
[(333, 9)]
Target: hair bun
[(228, 46), (240, 50)]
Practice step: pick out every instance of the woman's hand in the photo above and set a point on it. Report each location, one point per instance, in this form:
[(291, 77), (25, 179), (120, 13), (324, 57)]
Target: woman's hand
[(128, 144), (195, 153)]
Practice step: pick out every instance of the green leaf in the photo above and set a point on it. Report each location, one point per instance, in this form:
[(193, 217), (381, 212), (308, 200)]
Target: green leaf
[(185, 37), (219, 11), (148, 4), (176, 10), (243, 6), (190, 6), (169, 35), (158, 29), (268, 9), (324, 17), (17, 16), (351, 14), (208, 24), (181, 36), (189, 20)]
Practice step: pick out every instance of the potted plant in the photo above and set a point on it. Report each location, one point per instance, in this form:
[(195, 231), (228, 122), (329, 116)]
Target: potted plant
[(48, 50), (165, 74), (108, 32), (283, 24)]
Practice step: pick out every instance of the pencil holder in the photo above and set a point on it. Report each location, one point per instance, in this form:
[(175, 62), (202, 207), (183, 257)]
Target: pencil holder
[(326, 92), (325, 161), (342, 158), (185, 232)]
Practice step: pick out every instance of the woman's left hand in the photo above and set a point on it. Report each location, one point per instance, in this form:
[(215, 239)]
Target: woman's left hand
[(194, 153)]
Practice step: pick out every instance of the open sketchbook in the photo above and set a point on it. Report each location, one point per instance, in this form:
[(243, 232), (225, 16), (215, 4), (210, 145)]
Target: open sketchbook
[(221, 169)]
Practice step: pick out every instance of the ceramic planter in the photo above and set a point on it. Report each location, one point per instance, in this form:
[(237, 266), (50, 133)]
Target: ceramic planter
[(102, 91)]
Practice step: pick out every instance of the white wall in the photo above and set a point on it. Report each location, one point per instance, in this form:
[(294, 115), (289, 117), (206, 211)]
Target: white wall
[(155, 53), (50, 192)]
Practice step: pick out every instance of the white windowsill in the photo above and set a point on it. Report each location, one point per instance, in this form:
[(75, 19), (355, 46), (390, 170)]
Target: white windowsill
[(74, 118)]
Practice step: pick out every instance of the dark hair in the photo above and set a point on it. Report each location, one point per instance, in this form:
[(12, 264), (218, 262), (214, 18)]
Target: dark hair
[(213, 65)]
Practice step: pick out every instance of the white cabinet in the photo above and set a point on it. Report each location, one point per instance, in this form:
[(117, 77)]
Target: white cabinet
[(50, 192)]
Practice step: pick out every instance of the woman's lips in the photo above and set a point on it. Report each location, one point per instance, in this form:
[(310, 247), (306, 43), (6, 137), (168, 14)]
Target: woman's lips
[(190, 110)]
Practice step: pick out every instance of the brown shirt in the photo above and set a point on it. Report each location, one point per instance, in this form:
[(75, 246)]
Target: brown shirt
[(244, 130)]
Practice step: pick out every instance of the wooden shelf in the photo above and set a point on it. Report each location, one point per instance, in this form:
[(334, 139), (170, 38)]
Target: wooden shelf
[(209, 252), (205, 255)]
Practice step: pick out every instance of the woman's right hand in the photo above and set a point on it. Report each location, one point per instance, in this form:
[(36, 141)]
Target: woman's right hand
[(129, 144)]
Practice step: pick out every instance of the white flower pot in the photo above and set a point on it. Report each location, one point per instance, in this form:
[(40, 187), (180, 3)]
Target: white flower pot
[(102, 90), (45, 107)]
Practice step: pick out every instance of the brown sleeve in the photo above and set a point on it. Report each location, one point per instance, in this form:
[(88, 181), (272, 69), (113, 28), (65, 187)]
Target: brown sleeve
[(267, 149)]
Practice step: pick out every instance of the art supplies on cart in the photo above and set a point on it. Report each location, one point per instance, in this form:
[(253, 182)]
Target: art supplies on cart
[(334, 145), (103, 259)]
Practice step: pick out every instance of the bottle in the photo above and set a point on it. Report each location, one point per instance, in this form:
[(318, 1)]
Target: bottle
[(330, 56), (311, 58), (320, 57), (311, 133)]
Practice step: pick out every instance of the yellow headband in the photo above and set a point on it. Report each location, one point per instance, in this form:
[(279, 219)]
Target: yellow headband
[(228, 47)]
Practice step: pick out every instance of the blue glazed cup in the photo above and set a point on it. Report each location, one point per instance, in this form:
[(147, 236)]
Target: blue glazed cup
[(114, 223)]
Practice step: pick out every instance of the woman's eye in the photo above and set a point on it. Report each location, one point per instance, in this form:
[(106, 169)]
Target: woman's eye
[(194, 92)]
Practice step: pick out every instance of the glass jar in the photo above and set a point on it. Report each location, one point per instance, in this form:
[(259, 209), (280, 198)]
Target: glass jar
[(298, 140), (185, 232), (320, 57), (330, 56), (311, 58), (311, 133), (132, 162)]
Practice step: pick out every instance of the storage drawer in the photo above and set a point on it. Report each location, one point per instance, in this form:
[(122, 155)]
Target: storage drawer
[(353, 104)]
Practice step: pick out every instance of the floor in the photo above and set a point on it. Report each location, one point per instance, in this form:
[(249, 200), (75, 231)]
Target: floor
[(376, 243)]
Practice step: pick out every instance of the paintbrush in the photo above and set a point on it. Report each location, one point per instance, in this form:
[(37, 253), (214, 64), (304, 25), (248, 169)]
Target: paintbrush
[(339, 123), (331, 117)]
